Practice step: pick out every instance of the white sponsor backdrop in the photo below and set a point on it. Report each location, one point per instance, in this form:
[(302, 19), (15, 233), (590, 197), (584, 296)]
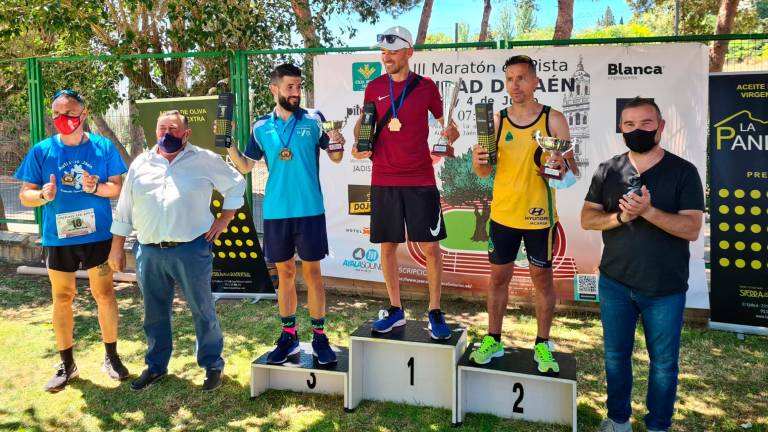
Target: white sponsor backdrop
[(580, 81)]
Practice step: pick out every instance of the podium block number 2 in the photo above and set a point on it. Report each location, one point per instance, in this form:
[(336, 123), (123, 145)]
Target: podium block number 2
[(518, 388), (411, 367)]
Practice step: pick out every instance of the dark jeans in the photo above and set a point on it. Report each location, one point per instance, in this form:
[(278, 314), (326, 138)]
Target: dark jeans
[(662, 318), (190, 265)]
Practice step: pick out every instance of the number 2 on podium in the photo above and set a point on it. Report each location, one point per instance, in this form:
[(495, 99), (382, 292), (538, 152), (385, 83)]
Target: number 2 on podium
[(516, 407), (410, 366)]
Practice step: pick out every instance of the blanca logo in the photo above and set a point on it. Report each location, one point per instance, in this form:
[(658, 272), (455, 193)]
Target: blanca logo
[(615, 69)]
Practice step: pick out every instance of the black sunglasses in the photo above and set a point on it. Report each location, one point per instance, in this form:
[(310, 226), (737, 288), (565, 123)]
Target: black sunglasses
[(390, 38), (67, 92)]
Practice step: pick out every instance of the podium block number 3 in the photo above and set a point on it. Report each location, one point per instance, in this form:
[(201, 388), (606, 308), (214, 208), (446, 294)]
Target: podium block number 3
[(411, 367), (518, 388), (311, 384)]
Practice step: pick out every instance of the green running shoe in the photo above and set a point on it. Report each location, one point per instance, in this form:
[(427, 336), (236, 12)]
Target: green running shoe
[(543, 356), (489, 349)]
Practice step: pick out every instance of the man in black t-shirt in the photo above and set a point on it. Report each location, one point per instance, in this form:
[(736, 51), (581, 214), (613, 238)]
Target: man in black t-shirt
[(648, 203)]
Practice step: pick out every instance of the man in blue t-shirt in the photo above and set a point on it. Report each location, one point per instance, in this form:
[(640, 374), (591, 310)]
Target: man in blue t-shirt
[(290, 139), (72, 176)]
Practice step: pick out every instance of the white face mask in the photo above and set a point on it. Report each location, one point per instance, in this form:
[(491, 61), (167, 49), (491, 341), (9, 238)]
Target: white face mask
[(568, 180)]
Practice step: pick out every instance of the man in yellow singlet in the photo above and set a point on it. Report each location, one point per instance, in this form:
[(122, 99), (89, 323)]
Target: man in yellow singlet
[(523, 207)]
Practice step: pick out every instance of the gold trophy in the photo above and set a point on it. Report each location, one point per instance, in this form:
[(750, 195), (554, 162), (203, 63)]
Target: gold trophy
[(335, 149), (450, 99), (553, 146)]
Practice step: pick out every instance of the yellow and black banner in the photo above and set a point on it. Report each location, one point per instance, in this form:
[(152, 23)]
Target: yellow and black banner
[(738, 106)]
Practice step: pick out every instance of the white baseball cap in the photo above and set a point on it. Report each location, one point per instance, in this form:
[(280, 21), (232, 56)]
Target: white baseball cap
[(394, 38)]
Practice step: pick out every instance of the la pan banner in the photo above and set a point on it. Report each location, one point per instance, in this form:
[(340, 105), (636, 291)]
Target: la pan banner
[(238, 261), (588, 84), (739, 202)]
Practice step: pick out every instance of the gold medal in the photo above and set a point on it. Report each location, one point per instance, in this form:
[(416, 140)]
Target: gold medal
[(395, 125), (285, 154)]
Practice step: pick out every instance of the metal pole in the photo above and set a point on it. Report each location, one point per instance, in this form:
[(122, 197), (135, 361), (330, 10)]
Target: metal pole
[(36, 115), (677, 17)]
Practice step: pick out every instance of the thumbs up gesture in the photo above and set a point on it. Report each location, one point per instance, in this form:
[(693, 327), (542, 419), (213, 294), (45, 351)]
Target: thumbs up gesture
[(89, 182), (49, 189)]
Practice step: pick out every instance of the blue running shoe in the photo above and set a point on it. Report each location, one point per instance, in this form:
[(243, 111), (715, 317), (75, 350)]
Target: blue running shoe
[(438, 329), (394, 317), (322, 349), (287, 345)]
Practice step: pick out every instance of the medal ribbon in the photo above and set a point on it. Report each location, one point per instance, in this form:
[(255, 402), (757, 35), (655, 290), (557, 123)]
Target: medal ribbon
[(290, 136), (402, 95)]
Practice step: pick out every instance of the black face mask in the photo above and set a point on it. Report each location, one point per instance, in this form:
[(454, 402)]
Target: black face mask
[(640, 141)]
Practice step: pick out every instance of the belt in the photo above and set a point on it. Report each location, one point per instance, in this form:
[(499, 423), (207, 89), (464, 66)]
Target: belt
[(165, 245)]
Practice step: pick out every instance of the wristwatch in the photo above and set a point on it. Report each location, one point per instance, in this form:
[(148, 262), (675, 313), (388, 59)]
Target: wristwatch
[(618, 217)]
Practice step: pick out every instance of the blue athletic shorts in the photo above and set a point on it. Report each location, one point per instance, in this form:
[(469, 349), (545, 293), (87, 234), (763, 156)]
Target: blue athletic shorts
[(305, 235)]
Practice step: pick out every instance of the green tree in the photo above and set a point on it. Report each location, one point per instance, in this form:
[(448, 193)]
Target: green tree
[(505, 25), (438, 38), (117, 27), (463, 32), (525, 16), (696, 16), (462, 187), (607, 20)]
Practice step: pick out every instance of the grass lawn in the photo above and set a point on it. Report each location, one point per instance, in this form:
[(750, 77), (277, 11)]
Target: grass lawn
[(723, 381), (461, 225)]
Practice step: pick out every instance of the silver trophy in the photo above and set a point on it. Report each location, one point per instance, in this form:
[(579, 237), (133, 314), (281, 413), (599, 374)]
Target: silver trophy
[(450, 100), (335, 149), (553, 146)]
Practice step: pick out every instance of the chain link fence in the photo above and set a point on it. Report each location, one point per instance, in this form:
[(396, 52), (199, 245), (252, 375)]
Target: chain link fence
[(111, 86), (14, 144)]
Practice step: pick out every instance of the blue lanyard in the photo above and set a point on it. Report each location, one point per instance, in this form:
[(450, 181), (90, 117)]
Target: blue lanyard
[(402, 95), (290, 136)]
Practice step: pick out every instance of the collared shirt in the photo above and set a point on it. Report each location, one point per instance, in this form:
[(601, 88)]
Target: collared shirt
[(293, 186), (166, 201)]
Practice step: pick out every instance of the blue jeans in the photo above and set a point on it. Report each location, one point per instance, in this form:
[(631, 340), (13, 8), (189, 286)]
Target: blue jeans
[(190, 266), (662, 319)]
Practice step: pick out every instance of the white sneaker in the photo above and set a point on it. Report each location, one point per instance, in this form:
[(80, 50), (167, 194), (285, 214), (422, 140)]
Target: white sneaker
[(609, 425)]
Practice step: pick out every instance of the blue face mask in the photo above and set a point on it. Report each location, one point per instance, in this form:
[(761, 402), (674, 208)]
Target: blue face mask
[(169, 143), (568, 180)]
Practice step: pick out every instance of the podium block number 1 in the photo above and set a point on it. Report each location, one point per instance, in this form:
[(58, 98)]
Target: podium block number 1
[(410, 366)]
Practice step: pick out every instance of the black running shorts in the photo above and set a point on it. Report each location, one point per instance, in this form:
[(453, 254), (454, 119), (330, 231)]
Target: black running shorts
[(397, 208)]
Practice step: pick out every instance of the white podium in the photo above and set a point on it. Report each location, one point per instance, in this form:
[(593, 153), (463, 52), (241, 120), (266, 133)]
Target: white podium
[(512, 387), (405, 365), (302, 373)]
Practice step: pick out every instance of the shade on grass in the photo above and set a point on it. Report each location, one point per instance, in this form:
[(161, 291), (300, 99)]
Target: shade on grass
[(723, 382)]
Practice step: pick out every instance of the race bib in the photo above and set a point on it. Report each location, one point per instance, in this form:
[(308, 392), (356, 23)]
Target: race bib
[(75, 223)]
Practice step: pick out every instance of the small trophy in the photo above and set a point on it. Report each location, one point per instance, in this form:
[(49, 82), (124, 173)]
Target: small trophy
[(335, 149), (554, 146), (450, 99)]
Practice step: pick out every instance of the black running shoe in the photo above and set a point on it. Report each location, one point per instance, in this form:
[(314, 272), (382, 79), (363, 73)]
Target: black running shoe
[(115, 368), (213, 379), (146, 379)]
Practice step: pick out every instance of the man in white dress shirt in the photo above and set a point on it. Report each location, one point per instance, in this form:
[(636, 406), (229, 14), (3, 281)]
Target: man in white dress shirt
[(166, 199)]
